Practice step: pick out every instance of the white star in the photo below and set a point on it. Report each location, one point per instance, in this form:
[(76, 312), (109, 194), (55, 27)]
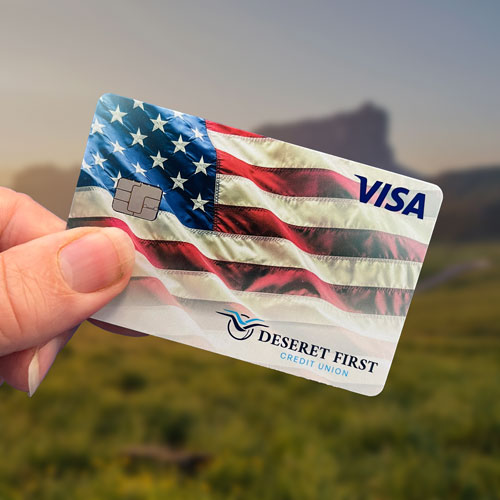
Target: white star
[(117, 115), (201, 166), (117, 148), (138, 137), (85, 165), (197, 133), (158, 160), (98, 160), (178, 181), (180, 145), (198, 203), (178, 114), (138, 169), (138, 104), (158, 123), (117, 178), (97, 127)]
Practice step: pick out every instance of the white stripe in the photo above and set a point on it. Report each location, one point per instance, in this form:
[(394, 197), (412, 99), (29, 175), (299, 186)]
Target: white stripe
[(208, 286), (271, 153), (322, 212), (143, 293), (382, 273)]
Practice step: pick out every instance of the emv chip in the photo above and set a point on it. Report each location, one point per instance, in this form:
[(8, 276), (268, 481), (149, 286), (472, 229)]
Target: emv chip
[(137, 199)]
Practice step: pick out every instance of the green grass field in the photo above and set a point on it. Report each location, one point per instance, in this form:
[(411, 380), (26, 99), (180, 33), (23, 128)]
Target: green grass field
[(433, 433)]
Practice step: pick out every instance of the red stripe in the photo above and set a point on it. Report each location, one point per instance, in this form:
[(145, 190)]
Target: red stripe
[(359, 243), (224, 129), (290, 181), (267, 279)]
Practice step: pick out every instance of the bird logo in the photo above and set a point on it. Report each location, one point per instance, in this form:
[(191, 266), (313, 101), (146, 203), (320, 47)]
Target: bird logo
[(240, 326)]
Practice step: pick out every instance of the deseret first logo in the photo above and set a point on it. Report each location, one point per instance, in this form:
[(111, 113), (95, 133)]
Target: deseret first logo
[(240, 326)]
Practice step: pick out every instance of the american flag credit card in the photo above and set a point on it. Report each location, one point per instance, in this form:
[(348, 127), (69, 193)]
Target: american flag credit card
[(255, 248)]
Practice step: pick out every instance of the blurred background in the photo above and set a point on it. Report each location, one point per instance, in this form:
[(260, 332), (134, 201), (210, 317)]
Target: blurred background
[(406, 86)]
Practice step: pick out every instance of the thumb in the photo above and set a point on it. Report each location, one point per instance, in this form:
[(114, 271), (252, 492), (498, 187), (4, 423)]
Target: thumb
[(53, 283)]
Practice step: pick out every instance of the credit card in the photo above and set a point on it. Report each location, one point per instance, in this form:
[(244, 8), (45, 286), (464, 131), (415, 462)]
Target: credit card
[(255, 248)]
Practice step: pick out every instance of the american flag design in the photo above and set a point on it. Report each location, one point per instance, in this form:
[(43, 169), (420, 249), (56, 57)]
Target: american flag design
[(245, 234)]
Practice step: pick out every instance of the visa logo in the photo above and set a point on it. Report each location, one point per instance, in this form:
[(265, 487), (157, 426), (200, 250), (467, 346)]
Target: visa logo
[(397, 197)]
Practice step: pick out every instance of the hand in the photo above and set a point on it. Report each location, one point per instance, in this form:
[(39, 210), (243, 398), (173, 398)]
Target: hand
[(50, 281)]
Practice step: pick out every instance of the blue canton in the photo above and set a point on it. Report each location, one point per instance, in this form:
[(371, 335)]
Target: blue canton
[(138, 141)]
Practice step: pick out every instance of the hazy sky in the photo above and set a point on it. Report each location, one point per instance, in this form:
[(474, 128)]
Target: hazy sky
[(433, 65)]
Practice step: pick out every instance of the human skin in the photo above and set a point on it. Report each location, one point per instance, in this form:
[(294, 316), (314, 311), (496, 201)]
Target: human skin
[(50, 281)]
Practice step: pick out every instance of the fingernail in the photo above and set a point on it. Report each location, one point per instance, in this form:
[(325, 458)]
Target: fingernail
[(43, 359), (96, 260), (33, 374)]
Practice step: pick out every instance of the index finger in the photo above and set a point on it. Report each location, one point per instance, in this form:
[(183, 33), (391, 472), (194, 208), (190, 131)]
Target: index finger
[(22, 219)]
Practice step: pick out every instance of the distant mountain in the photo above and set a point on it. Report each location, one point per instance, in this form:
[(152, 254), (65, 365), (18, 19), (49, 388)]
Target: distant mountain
[(471, 205), (360, 135)]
